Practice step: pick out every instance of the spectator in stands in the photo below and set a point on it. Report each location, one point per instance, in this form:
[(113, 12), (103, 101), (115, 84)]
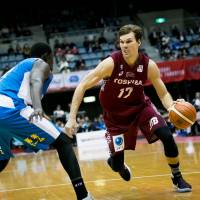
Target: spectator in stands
[(96, 47), (95, 124), (101, 122), (26, 50), (59, 114), (196, 101), (175, 31), (80, 64), (59, 53), (11, 50), (127, 108), (116, 42), (56, 45), (22, 116), (86, 125), (195, 129), (5, 32), (153, 37), (198, 119), (18, 49), (73, 48), (86, 44), (64, 45), (102, 39), (64, 65)]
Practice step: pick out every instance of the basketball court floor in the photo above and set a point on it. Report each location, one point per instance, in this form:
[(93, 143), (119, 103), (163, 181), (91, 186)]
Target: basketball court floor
[(41, 177)]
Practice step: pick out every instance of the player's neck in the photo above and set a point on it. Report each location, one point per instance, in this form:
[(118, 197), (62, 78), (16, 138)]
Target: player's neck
[(131, 61)]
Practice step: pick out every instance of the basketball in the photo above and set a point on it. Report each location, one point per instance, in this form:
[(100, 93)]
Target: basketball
[(182, 115)]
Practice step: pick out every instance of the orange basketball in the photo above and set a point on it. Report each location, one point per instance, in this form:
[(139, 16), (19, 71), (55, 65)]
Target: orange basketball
[(182, 115)]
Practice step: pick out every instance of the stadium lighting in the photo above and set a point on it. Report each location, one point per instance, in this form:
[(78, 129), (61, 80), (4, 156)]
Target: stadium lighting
[(160, 20), (89, 99)]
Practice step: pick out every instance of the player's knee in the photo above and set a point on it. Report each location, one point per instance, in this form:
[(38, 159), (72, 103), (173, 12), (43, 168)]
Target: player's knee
[(3, 164), (164, 134), (62, 139), (167, 139)]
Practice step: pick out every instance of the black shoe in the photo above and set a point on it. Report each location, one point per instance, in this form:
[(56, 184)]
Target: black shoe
[(180, 184), (125, 172)]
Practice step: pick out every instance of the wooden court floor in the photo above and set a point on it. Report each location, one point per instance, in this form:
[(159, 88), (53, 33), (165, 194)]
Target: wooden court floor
[(41, 177)]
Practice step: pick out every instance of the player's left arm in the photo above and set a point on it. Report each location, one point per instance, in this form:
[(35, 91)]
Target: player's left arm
[(154, 77)]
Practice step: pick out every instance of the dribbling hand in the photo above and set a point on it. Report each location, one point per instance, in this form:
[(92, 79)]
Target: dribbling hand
[(174, 102), (180, 100)]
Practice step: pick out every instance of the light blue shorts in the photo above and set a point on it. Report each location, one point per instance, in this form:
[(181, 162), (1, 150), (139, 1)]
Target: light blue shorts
[(14, 123)]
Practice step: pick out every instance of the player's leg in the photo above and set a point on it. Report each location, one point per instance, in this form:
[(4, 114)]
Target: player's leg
[(39, 135), (172, 155), (117, 144), (3, 164), (63, 145), (5, 151), (154, 127)]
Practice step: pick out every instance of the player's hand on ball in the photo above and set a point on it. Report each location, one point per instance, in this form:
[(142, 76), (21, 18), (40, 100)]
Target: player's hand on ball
[(71, 127), (175, 102), (180, 100)]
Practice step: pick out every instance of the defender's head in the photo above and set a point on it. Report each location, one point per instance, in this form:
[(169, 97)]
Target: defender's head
[(43, 51)]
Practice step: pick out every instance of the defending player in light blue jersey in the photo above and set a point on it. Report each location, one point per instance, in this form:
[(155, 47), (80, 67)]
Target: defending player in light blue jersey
[(22, 117)]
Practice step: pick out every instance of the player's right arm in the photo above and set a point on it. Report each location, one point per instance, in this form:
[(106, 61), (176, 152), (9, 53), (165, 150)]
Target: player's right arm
[(103, 70), (39, 74)]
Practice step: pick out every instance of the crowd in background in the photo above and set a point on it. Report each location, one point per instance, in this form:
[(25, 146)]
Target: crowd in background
[(69, 56), (176, 44)]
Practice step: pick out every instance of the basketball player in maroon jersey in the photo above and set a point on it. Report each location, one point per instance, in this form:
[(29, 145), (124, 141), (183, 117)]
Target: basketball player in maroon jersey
[(126, 108)]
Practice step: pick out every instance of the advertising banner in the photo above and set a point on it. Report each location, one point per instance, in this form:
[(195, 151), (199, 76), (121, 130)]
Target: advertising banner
[(170, 71)]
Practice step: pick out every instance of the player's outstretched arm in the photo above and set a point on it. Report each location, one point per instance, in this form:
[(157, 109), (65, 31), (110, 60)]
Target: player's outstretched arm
[(103, 70), (154, 77)]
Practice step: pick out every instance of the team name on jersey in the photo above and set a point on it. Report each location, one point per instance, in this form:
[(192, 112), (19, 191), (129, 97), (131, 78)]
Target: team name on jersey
[(127, 82)]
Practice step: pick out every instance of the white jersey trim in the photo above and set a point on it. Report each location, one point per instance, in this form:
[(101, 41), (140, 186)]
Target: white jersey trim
[(6, 101), (24, 90)]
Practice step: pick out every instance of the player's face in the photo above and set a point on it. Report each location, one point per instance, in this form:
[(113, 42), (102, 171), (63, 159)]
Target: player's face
[(128, 45)]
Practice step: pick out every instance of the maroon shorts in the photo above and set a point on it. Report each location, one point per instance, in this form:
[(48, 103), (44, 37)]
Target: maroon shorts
[(147, 121)]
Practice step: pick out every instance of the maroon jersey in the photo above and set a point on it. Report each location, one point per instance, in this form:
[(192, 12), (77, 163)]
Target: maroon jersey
[(122, 95)]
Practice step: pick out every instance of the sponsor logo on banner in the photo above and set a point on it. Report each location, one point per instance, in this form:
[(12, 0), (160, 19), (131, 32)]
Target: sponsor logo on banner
[(118, 142), (74, 78), (153, 121)]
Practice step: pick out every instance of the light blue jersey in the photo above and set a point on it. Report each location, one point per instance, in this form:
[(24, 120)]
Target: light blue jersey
[(15, 110), (15, 83)]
